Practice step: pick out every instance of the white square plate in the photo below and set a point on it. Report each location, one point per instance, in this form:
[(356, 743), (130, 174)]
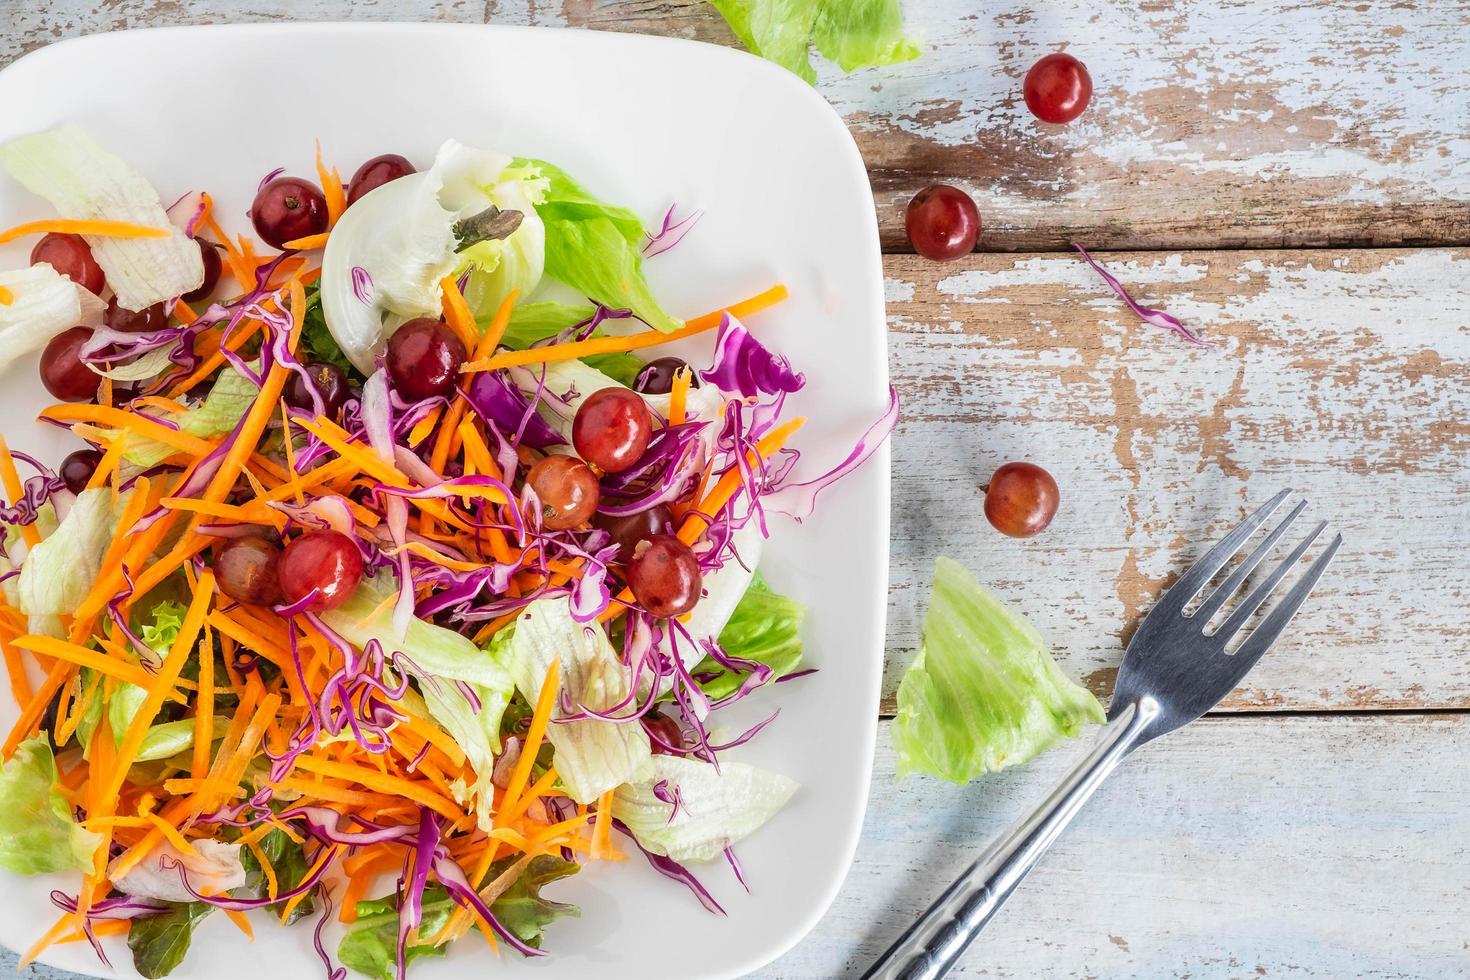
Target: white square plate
[(644, 122)]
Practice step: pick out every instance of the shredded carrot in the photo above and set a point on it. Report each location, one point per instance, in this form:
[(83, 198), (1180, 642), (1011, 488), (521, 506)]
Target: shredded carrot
[(272, 887), (331, 190), (613, 345), (327, 855), (15, 667), (211, 364), (424, 426), (15, 491), (602, 846), (67, 921), (97, 228), (496, 330), (172, 835), (82, 657), (103, 927), (183, 312), (730, 483), (308, 242), (204, 708), (678, 395), (6, 296), (241, 922), (457, 313), (119, 419), (392, 785)]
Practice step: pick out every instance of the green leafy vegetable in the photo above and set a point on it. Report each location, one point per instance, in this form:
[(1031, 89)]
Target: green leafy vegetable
[(159, 942), (596, 248), (317, 342), (37, 832), (370, 944), (532, 322), (521, 909), (160, 632), (288, 860), (984, 692), (223, 408), (59, 572), (765, 627), (853, 33), (714, 808)]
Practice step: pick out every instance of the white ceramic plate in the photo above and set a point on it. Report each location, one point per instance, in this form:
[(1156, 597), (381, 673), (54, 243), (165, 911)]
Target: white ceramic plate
[(644, 122)]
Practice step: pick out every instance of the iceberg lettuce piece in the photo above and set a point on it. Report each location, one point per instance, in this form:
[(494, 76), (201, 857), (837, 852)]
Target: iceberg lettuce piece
[(984, 692), (37, 832), (711, 809), (84, 181), (58, 573), (44, 304), (853, 33), (592, 755)]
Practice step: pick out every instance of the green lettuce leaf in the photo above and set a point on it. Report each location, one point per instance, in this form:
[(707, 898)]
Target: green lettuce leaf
[(37, 832), (159, 942), (715, 808), (592, 755), (984, 692), (596, 248), (765, 627), (58, 573), (288, 860), (369, 945), (531, 322), (223, 408), (853, 33)]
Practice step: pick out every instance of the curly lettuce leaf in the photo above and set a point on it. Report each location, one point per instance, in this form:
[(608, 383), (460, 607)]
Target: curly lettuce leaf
[(984, 692), (713, 808), (853, 33), (521, 908), (592, 756), (159, 942), (596, 248), (765, 627), (37, 832)]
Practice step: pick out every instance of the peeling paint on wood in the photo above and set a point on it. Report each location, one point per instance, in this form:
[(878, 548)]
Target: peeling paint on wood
[(1345, 374), (1213, 124)]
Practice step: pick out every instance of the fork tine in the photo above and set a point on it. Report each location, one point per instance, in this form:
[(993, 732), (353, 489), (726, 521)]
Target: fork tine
[(1220, 596), (1241, 613), (1200, 573), (1275, 623)]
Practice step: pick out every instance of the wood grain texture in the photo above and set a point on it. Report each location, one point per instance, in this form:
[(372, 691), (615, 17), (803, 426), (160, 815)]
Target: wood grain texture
[(1344, 374), (1323, 847), (1214, 124)]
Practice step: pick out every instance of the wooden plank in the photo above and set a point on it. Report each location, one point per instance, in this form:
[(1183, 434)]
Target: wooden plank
[(1214, 124), (1343, 373), (1318, 846), (1321, 846)]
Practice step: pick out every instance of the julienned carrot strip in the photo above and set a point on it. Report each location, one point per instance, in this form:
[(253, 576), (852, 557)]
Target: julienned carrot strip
[(98, 228), (172, 835), (491, 338), (204, 709), (107, 465), (118, 419), (6, 296), (538, 789), (424, 426), (162, 682), (15, 491), (602, 846), (244, 275), (392, 785), (104, 927), (308, 242), (184, 313), (82, 657), (241, 922), (615, 345), (326, 857), (730, 483), (331, 189), (67, 921), (678, 395), (212, 363), (457, 313), (65, 732), (331, 792), (248, 514), (15, 667)]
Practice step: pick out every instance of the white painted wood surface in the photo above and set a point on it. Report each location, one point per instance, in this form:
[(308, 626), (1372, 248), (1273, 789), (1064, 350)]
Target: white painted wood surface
[(1262, 844), (1215, 123)]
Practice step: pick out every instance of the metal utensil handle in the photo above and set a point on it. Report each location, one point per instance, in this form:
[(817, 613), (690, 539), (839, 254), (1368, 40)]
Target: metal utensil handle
[(930, 947)]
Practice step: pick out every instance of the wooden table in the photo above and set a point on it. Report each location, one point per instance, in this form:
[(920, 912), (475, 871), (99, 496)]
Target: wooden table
[(1294, 181)]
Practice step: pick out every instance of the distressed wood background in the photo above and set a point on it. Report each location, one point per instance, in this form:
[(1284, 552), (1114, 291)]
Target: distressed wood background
[(1294, 182)]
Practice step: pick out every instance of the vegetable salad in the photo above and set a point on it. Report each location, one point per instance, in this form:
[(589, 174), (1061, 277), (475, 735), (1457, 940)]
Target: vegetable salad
[(381, 585)]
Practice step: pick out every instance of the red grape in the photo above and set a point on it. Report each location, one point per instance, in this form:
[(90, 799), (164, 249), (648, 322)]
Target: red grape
[(209, 255), (327, 561), (247, 569), (1021, 499), (288, 208), (567, 489), (942, 223), (78, 468), (62, 370), (611, 429), (146, 320), (670, 734), (657, 376), (71, 256), (376, 172), (330, 383), (628, 531), (424, 358), (665, 576), (1057, 88)]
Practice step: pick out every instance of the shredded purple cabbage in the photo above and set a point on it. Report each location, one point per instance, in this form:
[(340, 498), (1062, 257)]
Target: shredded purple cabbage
[(1158, 318)]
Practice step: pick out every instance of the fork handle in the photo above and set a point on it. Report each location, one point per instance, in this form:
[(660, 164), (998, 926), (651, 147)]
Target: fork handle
[(932, 945)]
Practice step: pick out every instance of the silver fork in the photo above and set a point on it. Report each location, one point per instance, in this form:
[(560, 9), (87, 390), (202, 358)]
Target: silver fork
[(1176, 668)]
